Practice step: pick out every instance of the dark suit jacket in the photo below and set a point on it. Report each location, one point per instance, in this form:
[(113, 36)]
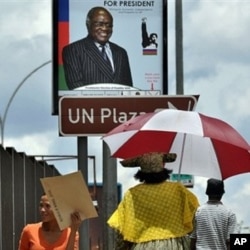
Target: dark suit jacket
[(83, 64)]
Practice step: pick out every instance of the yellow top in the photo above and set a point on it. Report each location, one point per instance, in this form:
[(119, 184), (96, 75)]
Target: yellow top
[(155, 212)]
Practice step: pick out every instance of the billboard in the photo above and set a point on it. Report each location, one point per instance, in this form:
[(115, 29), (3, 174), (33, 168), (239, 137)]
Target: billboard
[(139, 28)]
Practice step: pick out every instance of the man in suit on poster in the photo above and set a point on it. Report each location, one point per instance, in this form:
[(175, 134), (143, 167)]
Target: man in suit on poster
[(94, 59)]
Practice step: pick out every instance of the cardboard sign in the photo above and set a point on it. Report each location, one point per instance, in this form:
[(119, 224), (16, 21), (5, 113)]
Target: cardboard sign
[(66, 194)]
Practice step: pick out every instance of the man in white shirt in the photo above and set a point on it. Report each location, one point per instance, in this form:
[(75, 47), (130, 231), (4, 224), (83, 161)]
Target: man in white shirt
[(213, 221)]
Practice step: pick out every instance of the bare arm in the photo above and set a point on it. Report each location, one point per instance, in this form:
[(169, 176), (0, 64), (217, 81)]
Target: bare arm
[(73, 237)]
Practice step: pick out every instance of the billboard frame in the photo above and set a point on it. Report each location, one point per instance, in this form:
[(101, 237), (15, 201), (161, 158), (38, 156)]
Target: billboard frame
[(60, 12)]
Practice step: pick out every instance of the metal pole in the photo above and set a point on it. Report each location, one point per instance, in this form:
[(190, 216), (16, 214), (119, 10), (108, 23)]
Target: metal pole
[(179, 47), (165, 47), (94, 177), (110, 197), (82, 148), (2, 121)]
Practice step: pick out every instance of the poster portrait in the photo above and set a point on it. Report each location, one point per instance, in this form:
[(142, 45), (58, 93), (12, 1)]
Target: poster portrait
[(139, 27)]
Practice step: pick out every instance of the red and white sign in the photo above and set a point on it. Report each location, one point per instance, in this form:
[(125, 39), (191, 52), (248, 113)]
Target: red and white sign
[(83, 116)]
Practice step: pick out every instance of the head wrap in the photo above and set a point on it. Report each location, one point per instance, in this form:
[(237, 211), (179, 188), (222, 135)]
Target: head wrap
[(150, 162)]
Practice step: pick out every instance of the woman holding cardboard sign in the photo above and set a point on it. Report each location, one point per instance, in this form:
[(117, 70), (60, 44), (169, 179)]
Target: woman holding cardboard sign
[(46, 235)]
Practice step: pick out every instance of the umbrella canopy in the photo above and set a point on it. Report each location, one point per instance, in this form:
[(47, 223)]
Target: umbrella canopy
[(205, 146)]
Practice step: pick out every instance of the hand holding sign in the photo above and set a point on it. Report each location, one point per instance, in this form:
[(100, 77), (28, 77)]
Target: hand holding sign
[(67, 194)]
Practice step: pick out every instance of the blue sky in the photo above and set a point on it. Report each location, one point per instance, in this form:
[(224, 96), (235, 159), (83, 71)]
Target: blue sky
[(216, 66)]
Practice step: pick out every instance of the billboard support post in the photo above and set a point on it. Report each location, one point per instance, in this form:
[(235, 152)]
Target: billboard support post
[(82, 148), (110, 197), (179, 47)]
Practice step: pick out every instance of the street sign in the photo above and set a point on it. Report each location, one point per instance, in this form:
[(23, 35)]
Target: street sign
[(84, 116), (186, 179)]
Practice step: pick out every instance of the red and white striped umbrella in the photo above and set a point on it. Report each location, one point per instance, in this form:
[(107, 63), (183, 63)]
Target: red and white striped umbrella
[(205, 146)]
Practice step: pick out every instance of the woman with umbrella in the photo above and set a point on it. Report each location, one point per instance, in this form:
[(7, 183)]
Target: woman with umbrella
[(155, 214)]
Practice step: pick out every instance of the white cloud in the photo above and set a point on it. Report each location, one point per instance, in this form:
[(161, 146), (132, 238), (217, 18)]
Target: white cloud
[(216, 26), (32, 144), (25, 19), (224, 92)]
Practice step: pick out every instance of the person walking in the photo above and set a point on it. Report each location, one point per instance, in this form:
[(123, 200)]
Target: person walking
[(214, 222), (156, 214), (95, 59)]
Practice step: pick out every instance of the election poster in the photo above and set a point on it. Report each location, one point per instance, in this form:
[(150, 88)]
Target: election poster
[(139, 27)]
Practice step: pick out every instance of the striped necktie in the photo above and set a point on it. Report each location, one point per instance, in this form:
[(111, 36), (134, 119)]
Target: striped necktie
[(105, 56)]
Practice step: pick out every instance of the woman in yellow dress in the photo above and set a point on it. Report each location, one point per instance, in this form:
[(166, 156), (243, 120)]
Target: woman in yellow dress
[(157, 213)]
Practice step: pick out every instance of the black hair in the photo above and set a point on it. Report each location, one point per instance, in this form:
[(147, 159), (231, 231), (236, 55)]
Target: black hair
[(215, 187), (153, 177)]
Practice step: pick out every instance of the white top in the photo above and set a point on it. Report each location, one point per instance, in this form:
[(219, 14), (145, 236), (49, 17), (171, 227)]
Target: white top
[(213, 225)]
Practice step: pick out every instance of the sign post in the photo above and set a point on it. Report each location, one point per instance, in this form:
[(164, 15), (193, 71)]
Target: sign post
[(84, 116)]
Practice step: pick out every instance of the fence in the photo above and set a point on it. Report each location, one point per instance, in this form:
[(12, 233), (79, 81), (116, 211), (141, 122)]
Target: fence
[(20, 192)]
